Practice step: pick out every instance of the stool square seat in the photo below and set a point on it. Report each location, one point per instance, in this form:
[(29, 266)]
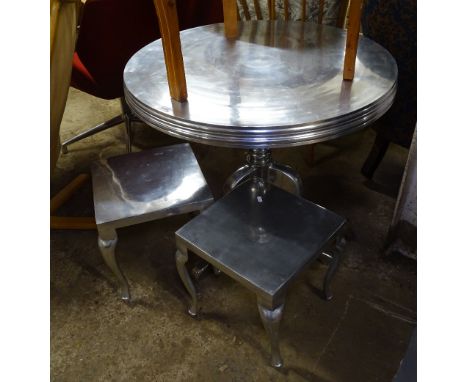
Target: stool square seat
[(262, 240), (144, 186), (148, 185)]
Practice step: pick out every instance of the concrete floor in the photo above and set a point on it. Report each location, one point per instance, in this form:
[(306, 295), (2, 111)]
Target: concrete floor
[(361, 335)]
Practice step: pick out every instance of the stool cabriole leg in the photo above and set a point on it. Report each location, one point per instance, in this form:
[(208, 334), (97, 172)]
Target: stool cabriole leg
[(181, 260), (332, 268), (107, 242), (271, 320)]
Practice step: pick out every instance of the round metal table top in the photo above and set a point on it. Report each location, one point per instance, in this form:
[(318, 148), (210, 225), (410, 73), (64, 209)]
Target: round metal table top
[(278, 84)]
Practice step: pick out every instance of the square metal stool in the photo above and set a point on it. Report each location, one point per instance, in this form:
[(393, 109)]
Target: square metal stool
[(139, 187), (262, 237)]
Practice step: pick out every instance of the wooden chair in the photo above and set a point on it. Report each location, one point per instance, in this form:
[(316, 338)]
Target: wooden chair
[(63, 20), (168, 21)]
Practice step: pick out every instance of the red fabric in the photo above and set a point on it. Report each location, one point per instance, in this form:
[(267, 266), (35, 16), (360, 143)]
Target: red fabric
[(82, 79), (111, 31)]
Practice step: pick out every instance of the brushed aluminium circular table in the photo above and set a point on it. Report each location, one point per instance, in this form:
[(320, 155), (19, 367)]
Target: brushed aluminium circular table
[(278, 84)]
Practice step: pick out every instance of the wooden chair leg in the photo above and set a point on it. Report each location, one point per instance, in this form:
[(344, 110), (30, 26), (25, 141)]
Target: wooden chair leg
[(61, 222), (66, 193), (375, 156)]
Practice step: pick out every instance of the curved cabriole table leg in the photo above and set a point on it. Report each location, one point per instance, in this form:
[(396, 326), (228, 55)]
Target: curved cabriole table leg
[(181, 260), (107, 241)]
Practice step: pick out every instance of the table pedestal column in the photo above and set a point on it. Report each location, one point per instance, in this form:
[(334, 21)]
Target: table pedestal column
[(260, 165)]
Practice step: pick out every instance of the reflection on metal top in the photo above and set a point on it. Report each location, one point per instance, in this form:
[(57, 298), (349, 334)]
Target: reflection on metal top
[(278, 84)]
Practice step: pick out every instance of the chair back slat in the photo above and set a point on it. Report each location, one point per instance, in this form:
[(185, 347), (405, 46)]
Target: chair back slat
[(166, 11), (320, 14), (286, 9), (272, 9), (238, 14), (245, 8), (342, 12), (258, 10), (303, 10)]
